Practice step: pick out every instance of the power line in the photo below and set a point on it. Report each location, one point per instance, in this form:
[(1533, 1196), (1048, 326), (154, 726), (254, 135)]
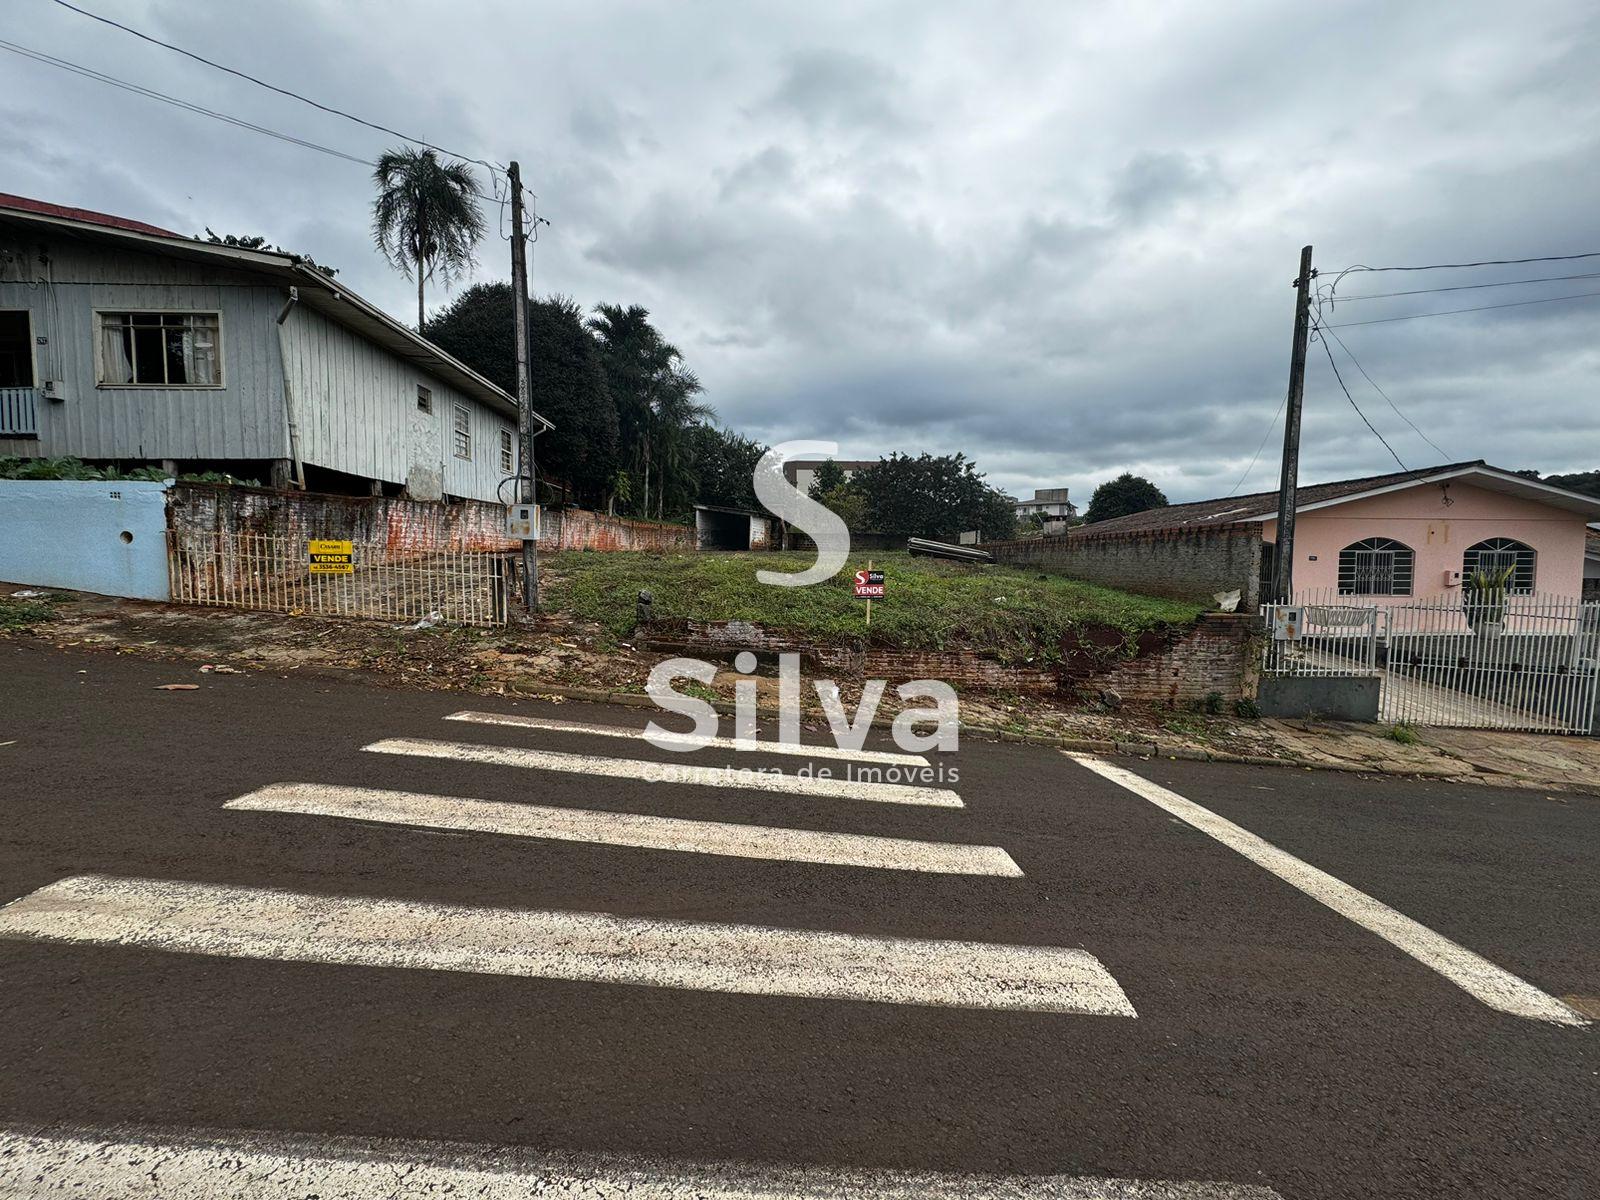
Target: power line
[(141, 90), (1257, 455), (1492, 262), (1464, 287), (272, 87), (1450, 312), (1361, 414), (1384, 394), (199, 109)]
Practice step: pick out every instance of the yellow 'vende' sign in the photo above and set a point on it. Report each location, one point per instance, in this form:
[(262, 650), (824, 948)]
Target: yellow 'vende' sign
[(330, 558)]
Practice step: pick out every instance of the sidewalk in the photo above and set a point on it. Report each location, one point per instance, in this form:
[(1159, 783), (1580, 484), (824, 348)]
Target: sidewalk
[(561, 658)]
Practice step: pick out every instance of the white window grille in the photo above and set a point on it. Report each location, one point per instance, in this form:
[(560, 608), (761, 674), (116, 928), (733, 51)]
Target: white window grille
[(506, 457), (160, 349), (463, 432), (1494, 555), (1376, 567)]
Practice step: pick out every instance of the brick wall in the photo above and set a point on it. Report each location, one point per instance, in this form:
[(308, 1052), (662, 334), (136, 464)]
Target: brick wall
[(402, 525), (1189, 564), (1220, 654)]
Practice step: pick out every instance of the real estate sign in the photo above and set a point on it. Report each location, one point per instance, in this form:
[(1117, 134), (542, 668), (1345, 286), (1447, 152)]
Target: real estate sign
[(869, 585), (330, 558)]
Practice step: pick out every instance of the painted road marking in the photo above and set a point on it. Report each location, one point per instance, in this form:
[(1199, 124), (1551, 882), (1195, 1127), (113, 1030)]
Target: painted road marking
[(231, 921), (628, 829), (98, 1164), (1477, 976), (745, 778), (742, 745)]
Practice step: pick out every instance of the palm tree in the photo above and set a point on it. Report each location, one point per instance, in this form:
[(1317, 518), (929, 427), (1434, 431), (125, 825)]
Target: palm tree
[(426, 216), (655, 397)]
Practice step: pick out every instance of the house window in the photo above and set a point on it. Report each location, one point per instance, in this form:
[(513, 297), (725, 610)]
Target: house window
[(1376, 567), (16, 350), (506, 458), (1496, 554), (424, 399), (463, 432), (160, 349)]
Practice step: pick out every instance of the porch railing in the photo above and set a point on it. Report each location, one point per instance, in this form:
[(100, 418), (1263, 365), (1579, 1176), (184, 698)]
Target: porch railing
[(19, 412)]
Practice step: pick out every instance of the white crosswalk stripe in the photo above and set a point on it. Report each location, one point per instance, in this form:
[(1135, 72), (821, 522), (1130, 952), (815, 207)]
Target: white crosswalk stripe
[(627, 829), (855, 787), (264, 923), (91, 1164), (740, 745)]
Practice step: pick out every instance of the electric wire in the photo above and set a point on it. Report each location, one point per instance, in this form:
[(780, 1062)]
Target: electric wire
[(1450, 312), (272, 87), (198, 109), (1465, 287), (1254, 458), (1361, 414), (1328, 330)]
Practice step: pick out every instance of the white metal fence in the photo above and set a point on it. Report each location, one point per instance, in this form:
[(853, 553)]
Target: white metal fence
[(242, 570), (1527, 662)]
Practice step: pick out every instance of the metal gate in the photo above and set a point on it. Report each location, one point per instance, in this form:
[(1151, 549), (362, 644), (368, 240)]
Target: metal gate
[(1528, 662)]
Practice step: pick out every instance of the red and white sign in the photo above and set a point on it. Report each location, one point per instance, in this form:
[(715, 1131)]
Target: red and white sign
[(869, 585)]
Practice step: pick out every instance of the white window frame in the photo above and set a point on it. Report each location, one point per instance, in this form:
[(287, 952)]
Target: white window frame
[(424, 399), (508, 457), (33, 344), (1472, 560), (99, 350), (461, 428), (1372, 548)]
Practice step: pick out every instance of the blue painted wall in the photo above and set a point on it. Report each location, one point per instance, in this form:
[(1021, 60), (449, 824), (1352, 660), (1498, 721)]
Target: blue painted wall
[(108, 538)]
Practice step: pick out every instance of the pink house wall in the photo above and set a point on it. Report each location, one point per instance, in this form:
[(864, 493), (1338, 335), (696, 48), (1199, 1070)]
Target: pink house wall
[(1417, 517)]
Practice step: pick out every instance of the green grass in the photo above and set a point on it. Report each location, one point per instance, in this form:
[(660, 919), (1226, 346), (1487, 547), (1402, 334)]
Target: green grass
[(22, 614), (1013, 614), (1404, 734)]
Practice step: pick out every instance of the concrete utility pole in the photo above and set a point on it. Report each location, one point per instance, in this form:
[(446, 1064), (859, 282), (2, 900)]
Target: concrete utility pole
[(1288, 480), (525, 460)]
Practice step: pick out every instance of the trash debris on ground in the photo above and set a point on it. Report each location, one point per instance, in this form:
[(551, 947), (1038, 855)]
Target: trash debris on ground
[(176, 687), (427, 622), (26, 594), (932, 549), (1227, 601), (219, 669)]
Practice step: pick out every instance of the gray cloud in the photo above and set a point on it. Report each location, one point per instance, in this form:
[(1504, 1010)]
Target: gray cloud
[(1061, 243)]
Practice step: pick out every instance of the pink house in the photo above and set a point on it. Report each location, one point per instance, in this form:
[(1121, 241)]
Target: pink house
[(1391, 537)]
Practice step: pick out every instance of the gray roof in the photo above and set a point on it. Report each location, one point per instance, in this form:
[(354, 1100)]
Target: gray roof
[(1263, 506)]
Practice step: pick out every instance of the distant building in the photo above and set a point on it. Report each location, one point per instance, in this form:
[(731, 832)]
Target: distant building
[(803, 474), (1050, 503)]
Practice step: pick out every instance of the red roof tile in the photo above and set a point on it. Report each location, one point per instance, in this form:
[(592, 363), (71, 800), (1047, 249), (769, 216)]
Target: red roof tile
[(88, 216)]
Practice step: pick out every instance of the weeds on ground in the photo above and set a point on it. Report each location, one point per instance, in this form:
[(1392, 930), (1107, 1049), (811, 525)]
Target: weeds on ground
[(1404, 734), (1017, 616), (23, 614)]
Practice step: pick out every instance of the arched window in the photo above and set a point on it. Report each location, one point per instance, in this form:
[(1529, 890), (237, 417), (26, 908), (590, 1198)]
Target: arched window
[(1376, 567), (1494, 555)]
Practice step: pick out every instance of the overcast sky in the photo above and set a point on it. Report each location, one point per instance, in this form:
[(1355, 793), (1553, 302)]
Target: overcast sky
[(1059, 237)]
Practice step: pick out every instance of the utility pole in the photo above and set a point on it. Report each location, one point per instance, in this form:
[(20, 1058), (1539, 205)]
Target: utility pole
[(1288, 480), (525, 460)]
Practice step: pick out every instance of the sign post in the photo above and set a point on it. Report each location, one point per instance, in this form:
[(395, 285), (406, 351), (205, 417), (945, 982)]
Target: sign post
[(869, 587)]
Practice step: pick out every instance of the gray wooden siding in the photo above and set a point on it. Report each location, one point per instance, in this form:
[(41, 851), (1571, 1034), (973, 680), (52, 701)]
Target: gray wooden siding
[(356, 402), (243, 419), (357, 411)]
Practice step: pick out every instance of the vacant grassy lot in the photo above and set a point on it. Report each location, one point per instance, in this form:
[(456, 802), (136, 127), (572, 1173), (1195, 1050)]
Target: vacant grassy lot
[(1014, 614)]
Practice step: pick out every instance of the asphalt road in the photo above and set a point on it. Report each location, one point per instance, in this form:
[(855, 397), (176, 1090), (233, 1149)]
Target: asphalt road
[(1277, 1043)]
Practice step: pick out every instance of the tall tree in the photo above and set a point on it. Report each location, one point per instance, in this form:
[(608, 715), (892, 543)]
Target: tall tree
[(426, 218), (566, 377), (932, 497), (723, 464), (655, 394), (1123, 496)]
